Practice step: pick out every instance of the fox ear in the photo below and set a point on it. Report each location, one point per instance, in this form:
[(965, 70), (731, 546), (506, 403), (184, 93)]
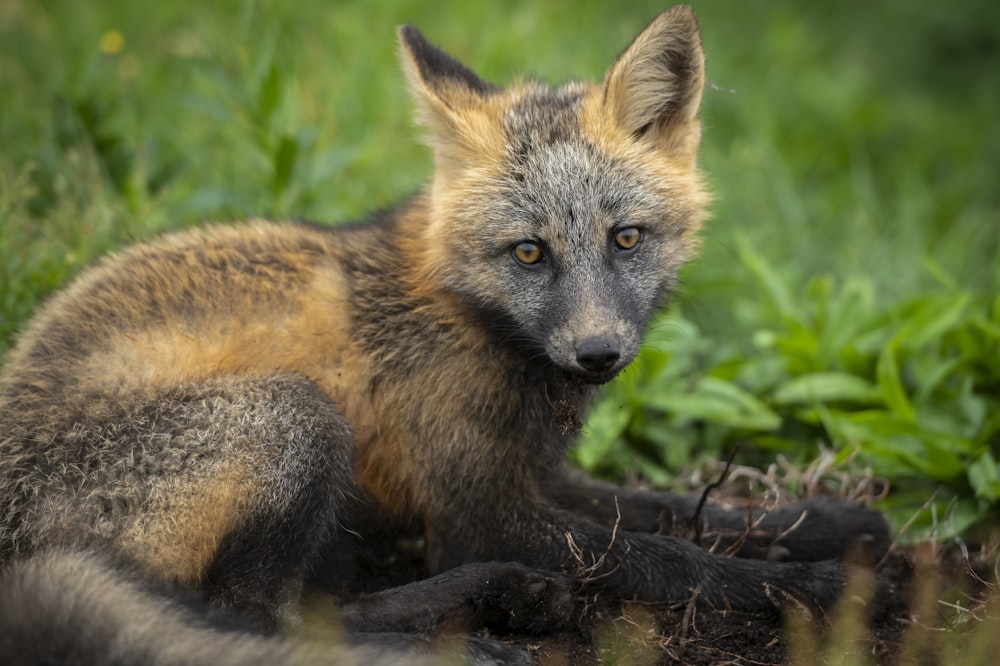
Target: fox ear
[(654, 88), (447, 94)]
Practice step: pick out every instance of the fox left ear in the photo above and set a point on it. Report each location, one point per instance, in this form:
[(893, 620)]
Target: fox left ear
[(448, 95), (653, 90)]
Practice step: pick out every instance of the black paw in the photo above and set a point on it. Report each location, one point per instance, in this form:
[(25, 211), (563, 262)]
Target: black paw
[(814, 530), (823, 529), (754, 585), (813, 587), (518, 597)]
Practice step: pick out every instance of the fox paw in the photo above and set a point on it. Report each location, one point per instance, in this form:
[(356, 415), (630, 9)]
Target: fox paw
[(814, 587), (818, 529), (516, 596)]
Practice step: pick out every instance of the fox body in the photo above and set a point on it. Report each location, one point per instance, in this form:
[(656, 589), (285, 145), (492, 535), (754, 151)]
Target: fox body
[(206, 405)]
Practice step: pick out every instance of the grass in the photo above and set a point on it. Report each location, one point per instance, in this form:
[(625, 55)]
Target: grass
[(848, 297)]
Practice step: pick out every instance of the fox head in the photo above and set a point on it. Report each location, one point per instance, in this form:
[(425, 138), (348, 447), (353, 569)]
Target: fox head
[(565, 211)]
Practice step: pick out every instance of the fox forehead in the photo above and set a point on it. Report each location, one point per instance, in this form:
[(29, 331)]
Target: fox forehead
[(552, 179), (539, 115), (573, 186)]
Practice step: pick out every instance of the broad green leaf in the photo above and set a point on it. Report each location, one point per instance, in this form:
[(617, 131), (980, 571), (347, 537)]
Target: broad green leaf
[(652, 471), (825, 387), (773, 443), (800, 348), (940, 274), (984, 476), (675, 449), (899, 443), (990, 427), (990, 328), (716, 400)]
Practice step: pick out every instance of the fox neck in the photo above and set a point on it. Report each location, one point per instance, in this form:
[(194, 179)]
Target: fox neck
[(482, 330)]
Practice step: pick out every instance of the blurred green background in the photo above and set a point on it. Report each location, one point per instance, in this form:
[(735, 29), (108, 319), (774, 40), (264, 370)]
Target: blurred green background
[(846, 305)]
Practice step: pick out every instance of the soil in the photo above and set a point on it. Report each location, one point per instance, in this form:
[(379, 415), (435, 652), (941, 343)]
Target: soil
[(918, 594)]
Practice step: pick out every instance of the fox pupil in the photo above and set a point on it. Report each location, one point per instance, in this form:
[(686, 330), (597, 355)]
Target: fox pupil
[(528, 253), (628, 239)]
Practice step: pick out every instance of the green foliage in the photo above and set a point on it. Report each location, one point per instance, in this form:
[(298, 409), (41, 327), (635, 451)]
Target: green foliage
[(912, 385), (847, 293)]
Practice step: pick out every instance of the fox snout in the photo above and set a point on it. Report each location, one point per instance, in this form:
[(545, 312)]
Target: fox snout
[(598, 354), (597, 357)]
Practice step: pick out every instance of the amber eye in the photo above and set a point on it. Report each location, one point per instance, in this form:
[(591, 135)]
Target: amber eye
[(528, 253), (628, 239)]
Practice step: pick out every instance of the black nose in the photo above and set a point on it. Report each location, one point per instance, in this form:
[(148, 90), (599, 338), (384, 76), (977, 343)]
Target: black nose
[(598, 354)]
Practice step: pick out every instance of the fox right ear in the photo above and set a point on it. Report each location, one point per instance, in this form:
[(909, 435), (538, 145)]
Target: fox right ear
[(437, 70), (449, 96), (654, 88)]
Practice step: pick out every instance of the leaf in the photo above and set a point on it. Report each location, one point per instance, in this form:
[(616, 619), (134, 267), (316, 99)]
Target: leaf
[(652, 471), (327, 164), (990, 328), (774, 286), (825, 387), (604, 427), (900, 445), (284, 163), (941, 521), (984, 476), (890, 385), (935, 316), (718, 401), (269, 95), (674, 448), (850, 313)]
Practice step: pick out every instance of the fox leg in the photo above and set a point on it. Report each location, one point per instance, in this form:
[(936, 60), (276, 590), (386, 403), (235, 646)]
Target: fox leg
[(228, 486), (299, 458), (630, 565), (816, 529), (278, 481), (494, 595)]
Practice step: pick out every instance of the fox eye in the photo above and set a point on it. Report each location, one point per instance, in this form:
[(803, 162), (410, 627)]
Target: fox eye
[(628, 238), (528, 253)]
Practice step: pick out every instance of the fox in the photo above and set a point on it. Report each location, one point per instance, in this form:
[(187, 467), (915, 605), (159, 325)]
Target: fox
[(210, 413)]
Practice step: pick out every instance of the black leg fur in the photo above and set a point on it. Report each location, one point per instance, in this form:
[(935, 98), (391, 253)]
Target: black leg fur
[(494, 595), (813, 530)]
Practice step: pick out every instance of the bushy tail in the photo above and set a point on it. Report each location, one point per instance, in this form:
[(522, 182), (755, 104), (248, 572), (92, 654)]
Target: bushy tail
[(88, 609), (79, 608)]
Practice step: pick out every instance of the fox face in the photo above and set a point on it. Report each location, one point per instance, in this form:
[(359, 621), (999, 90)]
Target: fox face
[(565, 212)]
